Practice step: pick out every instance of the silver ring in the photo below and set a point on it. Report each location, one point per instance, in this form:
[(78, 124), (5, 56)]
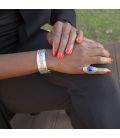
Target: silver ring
[(90, 69)]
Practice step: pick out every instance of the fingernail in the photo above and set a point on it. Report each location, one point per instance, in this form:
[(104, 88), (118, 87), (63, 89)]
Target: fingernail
[(55, 52), (51, 42), (68, 51), (108, 72), (78, 39), (60, 55)]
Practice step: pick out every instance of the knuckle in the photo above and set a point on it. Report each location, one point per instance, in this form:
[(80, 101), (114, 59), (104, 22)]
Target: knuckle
[(102, 51), (67, 24), (58, 23), (98, 60), (74, 31), (100, 45), (65, 35), (108, 52), (83, 53), (57, 35), (73, 34)]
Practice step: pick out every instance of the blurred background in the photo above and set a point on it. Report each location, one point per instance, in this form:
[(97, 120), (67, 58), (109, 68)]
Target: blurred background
[(100, 25)]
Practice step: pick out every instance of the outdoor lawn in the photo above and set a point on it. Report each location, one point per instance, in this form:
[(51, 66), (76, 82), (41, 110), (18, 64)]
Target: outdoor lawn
[(100, 25)]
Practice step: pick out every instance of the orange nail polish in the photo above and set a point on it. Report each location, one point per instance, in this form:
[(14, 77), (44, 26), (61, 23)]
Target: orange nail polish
[(78, 39), (68, 51), (55, 52), (60, 55)]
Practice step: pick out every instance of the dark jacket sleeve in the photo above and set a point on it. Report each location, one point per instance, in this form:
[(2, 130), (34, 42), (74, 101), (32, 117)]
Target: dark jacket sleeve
[(63, 15), (33, 19)]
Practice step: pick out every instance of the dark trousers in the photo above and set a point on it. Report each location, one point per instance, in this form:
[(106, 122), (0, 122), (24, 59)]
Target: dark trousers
[(92, 100)]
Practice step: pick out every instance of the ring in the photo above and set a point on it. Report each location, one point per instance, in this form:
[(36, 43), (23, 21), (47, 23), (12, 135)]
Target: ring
[(89, 69)]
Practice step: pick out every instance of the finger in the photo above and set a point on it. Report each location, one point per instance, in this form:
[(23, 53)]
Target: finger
[(103, 71), (71, 41), (89, 43), (97, 71), (93, 44), (99, 52), (50, 38), (99, 45), (96, 45), (57, 32), (64, 39), (89, 40), (100, 60), (80, 37)]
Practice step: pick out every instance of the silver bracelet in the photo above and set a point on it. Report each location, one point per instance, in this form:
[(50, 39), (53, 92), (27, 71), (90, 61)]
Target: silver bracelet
[(41, 62)]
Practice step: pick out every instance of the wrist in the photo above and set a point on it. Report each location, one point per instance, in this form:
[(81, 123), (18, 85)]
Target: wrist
[(48, 56), (50, 60)]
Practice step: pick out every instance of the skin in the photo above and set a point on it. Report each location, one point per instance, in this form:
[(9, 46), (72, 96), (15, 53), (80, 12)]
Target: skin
[(24, 63), (87, 53), (62, 38)]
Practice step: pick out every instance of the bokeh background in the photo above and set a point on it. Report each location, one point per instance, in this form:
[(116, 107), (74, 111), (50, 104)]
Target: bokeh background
[(102, 25)]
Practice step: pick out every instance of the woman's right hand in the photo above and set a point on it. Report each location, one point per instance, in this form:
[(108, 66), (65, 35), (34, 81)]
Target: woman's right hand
[(87, 53)]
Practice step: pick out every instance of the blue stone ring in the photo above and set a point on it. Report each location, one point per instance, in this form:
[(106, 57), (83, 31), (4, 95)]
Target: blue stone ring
[(90, 69)]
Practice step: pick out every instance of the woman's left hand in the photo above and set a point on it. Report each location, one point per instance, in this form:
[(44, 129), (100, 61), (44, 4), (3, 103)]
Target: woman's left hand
[(62, 38)]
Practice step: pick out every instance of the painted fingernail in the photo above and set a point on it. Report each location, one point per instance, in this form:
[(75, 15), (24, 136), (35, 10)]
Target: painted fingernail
[(78, 39), (55, 52), (108, 72), (51, 42), (60, 55), (68, 51)]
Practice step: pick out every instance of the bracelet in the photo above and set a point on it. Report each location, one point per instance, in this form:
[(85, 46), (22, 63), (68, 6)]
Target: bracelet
[(41, 62)]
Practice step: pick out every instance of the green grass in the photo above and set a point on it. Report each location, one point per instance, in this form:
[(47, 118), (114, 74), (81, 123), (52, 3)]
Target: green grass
[(100, 25)]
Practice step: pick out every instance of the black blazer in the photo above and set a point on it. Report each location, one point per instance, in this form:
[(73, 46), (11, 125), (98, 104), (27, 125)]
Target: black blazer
[(33, 19)]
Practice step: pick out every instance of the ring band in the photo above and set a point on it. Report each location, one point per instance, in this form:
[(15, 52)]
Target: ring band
[(90, 69)]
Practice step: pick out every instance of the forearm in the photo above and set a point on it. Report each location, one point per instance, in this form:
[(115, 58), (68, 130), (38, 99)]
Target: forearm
[(24, 63), (17, 64)]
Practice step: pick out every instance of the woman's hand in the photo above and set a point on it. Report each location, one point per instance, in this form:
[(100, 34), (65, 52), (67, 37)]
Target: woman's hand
[(62, 38), (87, 53)]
